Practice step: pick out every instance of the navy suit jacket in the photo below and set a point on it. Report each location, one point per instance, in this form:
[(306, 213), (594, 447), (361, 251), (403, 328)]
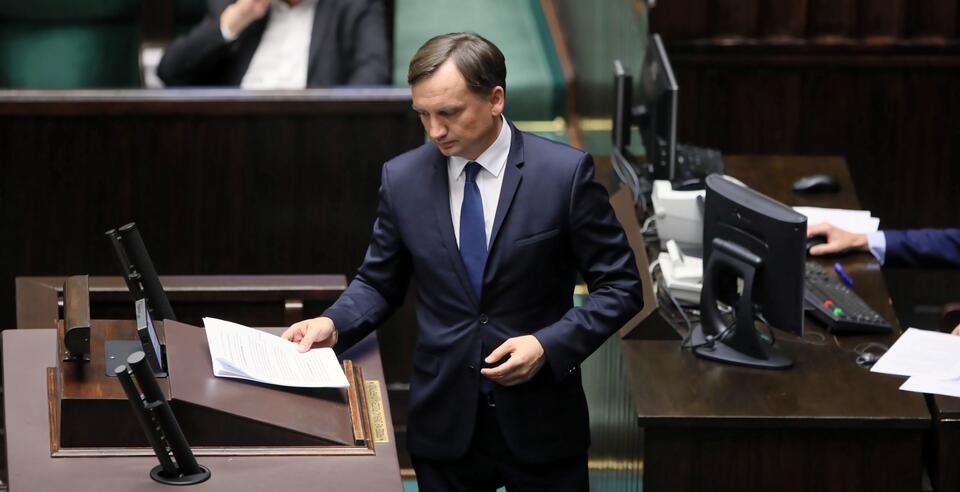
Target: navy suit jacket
[(348, 46), (553, 221), (929, 248)]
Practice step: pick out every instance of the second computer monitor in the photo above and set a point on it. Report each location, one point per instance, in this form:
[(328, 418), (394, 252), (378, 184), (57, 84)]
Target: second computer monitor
[(658, 93), (656, 113)]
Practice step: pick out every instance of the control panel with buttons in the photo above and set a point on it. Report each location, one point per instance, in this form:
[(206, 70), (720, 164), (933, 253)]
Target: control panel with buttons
[(838, 307)]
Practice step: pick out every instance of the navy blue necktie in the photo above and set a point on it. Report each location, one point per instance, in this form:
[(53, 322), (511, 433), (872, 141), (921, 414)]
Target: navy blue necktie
[(473, 236)]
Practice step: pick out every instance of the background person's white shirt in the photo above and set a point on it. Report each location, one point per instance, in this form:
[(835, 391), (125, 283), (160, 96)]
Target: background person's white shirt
[(281, 59)]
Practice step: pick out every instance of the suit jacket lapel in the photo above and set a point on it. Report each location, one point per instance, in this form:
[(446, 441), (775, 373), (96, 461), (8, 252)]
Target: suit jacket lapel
[(511, 181), (321, 22), (440, 197)]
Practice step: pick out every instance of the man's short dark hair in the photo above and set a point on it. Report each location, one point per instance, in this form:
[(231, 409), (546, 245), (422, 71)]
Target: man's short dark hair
[(480, 62)]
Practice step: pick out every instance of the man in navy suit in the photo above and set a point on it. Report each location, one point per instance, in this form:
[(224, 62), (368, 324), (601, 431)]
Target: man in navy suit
[(494, 224)]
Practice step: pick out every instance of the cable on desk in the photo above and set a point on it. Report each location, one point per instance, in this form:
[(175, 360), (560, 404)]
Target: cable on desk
[(647, 223)]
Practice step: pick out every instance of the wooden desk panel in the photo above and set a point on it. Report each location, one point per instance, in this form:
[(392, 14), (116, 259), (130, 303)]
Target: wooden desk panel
[(252, 300)]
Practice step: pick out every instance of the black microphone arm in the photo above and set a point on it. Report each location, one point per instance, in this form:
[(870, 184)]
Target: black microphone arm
[(138, 270), (160, 426)]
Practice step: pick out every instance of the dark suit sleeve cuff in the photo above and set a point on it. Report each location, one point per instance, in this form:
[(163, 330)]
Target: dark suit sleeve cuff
[(559, 365)]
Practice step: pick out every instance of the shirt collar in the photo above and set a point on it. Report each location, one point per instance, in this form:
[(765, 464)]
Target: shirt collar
[(494, 159)]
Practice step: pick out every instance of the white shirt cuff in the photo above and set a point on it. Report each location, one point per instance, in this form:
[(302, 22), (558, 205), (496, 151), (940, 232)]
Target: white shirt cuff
[(877, 242)]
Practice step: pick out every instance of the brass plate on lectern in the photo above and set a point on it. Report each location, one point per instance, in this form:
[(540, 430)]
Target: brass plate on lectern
[(378, 419)]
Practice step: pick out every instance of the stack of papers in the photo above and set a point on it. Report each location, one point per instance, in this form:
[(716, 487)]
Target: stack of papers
[(930, 358), (241, 352), (857, 221)]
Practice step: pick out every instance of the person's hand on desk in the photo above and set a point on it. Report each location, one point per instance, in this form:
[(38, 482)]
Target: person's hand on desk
[(236, 17), (838, 240), (310, 333), (956, 331), (526, 359)]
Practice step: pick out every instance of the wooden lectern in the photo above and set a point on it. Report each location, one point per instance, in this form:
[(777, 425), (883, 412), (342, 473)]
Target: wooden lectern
[(91, 416)]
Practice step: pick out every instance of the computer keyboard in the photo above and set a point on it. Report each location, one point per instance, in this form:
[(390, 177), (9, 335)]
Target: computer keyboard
[(834, 304), (697, 162)]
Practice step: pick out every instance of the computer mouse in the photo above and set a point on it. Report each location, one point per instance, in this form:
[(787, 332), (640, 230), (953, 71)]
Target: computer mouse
[(867, 359), (815, 240), (817, 183)]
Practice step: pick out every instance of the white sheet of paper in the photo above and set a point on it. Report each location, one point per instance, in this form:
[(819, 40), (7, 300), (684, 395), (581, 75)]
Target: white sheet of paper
[(858, 221), (241, 352), (927, 384), (922, 353)]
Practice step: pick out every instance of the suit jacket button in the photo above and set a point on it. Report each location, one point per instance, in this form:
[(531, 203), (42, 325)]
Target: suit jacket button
[(483, 319), (472, 367)]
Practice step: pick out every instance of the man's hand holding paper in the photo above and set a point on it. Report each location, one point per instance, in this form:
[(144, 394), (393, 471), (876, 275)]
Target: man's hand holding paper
[(312, 333), (241, 352)]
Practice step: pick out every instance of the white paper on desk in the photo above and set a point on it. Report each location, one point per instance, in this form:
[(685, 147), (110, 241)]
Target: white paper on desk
[(241, 352), (858, 221), (933, 385), (929, 354)]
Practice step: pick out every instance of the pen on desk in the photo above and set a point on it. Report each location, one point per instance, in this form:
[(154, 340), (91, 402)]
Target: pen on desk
[(843, 274)]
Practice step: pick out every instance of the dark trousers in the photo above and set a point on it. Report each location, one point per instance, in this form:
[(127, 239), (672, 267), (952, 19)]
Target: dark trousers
[(489, 464)]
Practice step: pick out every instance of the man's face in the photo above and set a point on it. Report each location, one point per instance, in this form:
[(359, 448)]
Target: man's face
[(458, 121)]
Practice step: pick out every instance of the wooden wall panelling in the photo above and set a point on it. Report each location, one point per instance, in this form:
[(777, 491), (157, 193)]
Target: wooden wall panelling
[(681, 18), (730, 20), (781, 21), (880, 21), (831, 21), (893, 124), (932, 21)]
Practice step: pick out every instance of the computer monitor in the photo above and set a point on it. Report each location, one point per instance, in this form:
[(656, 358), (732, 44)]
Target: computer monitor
[(656, 115), (754, 259), (138, 271)]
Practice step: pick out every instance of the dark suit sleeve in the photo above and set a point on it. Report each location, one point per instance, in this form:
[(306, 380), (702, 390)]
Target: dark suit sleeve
[(606, 262), (381, 283), (924, 248), (366, 50), (195, 59)]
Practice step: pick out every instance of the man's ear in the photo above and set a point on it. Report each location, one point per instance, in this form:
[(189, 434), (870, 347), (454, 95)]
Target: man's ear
[(497, 98)]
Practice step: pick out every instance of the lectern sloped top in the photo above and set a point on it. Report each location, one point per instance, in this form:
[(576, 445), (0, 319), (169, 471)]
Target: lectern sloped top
[(90, 415), (321, 413)]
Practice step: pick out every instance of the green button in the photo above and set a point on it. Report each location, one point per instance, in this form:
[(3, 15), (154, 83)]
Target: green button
[(837, 312)]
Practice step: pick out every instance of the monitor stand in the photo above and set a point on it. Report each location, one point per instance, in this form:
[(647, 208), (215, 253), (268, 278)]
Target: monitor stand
[(740, 343)]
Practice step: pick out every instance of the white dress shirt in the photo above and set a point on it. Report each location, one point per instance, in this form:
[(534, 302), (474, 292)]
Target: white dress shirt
[(280, 61), (489, 180)]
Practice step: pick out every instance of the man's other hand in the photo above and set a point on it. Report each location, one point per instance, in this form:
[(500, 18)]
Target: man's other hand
[(956, 331), (838, 240), (310, 333), (236, 17), (526, 359)]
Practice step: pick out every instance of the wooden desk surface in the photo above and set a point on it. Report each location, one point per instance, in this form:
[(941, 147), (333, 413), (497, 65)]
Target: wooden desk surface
[(27, 354), (826, 388)]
